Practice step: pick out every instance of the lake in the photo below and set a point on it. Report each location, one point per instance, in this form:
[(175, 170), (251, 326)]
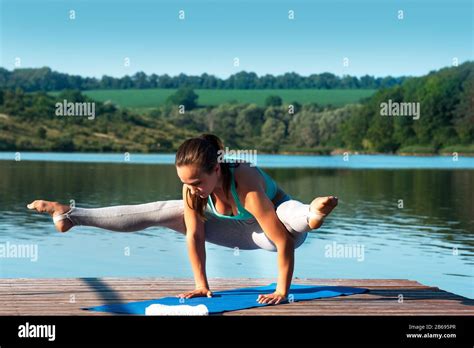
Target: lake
[(398, 217)]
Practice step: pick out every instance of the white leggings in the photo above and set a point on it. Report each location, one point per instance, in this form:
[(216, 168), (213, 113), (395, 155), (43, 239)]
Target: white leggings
[(242, 234)]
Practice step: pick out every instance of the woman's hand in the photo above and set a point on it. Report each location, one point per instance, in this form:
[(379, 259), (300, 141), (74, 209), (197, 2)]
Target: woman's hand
[(200, 292), (274, 298)]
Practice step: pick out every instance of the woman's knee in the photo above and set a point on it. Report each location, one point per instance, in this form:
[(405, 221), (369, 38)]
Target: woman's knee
[(294, 216)]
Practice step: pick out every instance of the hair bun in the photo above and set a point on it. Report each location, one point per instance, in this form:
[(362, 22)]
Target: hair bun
[(214, 140)]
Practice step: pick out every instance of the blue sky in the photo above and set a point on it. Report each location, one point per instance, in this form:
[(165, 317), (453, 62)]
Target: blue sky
[(258, 32)]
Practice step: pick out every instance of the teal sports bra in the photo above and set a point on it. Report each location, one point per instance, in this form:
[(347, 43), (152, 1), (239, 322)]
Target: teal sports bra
[(271, 191)]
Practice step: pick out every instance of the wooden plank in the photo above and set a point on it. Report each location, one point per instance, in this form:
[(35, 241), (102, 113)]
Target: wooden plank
[(52, 296), (216, 281)]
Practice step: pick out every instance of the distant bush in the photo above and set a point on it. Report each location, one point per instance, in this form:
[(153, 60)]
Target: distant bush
[(273, 100), (458, 148), (184, 96), (417, 149), (63, 144)]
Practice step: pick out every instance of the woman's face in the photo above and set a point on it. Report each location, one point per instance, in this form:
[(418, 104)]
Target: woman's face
[(199, 183)]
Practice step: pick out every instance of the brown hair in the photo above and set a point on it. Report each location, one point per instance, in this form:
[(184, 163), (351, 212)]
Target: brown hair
[(203, 151)]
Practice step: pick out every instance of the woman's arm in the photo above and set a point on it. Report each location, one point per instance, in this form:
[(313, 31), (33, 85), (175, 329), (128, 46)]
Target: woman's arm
[(195, 240), (260, 206)]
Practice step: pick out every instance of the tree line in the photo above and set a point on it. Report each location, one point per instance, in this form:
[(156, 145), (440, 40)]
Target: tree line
[(45, 79)]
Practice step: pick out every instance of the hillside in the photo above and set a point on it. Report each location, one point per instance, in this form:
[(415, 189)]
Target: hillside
[(444, 122)]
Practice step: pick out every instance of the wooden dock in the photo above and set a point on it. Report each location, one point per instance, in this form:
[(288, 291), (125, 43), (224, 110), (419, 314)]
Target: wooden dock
[(68, 296)]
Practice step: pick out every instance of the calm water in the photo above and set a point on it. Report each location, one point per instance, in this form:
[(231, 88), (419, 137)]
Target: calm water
[(429, 239)]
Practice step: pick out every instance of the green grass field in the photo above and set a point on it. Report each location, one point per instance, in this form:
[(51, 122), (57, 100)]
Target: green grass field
[(149, 98)]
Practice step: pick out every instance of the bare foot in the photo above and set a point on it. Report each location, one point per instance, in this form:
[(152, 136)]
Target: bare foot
[(53, 209), (321, 207)]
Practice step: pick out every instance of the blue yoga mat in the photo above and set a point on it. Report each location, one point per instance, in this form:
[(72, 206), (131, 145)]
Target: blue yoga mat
[(231, 300)]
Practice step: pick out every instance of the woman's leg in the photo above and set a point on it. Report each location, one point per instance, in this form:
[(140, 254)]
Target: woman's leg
[(122, 218), (242, 234), (294, 215), (130, 218), (301, 218), (248, 235)]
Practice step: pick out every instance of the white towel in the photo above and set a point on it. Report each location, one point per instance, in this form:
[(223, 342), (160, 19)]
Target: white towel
[(159, 309)]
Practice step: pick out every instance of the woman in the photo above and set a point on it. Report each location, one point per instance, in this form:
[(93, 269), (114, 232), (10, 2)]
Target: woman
[(224, 202)]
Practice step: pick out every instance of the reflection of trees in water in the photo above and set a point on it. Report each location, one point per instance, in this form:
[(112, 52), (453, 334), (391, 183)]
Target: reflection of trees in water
[(442, 200), (89, 184)]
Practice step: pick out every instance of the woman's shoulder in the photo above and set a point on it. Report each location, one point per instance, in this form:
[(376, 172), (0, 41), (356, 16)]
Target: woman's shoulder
[(248, 177)]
